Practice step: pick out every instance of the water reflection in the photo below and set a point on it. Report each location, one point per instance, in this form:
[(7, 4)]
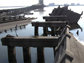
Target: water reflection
[(14, 29)]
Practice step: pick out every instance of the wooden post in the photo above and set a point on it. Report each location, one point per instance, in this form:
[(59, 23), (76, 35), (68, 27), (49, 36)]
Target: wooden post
[(40, 54), (26, 55), (52, 31), (45, 30), (11, 54), (36, 31), (40, 50)]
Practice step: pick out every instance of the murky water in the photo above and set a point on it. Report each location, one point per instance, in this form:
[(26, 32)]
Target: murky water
[(28, 30)]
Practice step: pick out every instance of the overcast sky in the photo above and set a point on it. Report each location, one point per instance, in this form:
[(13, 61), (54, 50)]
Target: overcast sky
[(30, 2)]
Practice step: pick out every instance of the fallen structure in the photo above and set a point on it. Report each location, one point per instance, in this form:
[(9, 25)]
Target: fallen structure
[(66, 48), (63, 13)]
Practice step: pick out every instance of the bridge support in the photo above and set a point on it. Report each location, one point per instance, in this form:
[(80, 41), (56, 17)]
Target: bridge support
[(11, 54)]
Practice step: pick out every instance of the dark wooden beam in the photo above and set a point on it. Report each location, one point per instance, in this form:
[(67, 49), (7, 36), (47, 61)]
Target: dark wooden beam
[(30, 41), (54, 18), (49, 23)]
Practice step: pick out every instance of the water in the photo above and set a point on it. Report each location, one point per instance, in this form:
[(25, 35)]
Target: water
[(29, 31)]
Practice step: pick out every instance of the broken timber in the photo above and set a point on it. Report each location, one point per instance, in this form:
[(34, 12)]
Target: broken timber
[(63, 14)]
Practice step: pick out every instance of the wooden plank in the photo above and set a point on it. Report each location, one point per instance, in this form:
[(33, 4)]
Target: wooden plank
[(30, 41), (49, 23)]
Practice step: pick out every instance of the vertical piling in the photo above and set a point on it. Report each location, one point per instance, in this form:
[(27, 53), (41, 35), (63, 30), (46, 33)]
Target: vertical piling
[(52, 31), (36, 31), (26, 55), (11, 54), (40, 54), (40, 50), (45, 30)]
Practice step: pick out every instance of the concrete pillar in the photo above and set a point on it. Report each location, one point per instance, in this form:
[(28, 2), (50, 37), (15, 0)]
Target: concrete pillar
[(45, 30), (26, 55), (40, 54), (11, 54), (40, 50), (36, 31)]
